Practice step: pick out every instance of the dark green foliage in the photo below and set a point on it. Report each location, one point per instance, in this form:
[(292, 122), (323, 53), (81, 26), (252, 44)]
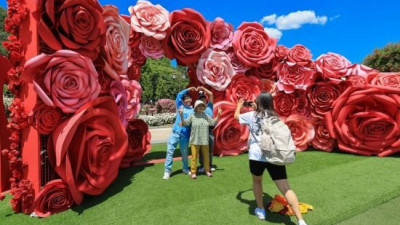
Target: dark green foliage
[(386, 59), (3, 34)]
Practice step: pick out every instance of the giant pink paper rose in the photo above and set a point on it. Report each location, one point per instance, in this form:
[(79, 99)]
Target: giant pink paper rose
[(243, 87), (55, 197), (230, 136), (221, 34), (64, 79), (366, 120), (151, 20), (357, 74), (215, 69), (281, 52), (323, 94), (115, 52), (139, 138), (87, 149), (302, 131), (133, 96), (322, 140), (252, 45), (292, 76), (300, 55), (117, 90), (72, 24), (332, 66), (385, 79), (188, 37), (237, 65), (151, 47)]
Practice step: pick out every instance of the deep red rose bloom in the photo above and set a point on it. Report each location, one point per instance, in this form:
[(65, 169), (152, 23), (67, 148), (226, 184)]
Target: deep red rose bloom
[(284, 104), (188, 37), (265, 71), (281, 52), (139, 142), (55, 197), (74, 25), (243, 87), (366, 120), (322, 139), (230, 136), (45, 118), (302, 131), (252, 45), (300, 55), (88, 148)]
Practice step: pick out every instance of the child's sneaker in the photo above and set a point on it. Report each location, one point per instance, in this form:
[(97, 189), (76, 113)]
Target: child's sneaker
[(193, 176), (260, 213), (302, 222), (166, 175)]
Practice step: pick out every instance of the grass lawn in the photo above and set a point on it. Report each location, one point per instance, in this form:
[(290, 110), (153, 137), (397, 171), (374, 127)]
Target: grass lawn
[(340, 186)]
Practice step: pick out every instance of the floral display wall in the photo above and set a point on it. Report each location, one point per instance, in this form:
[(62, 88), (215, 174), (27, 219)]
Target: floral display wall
[(86, 76)]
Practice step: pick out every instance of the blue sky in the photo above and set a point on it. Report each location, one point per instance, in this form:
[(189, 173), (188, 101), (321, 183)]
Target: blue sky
[(351, 28)]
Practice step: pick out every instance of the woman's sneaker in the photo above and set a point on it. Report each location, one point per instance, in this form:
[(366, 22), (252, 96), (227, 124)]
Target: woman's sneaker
[(193, 176), (209, 174), (260, 213), (302, 222), (166, 175)]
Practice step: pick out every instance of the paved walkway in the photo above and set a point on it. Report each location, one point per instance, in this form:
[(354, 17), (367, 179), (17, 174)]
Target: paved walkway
[(160, 135)]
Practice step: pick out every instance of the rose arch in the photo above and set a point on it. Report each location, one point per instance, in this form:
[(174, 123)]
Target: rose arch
[(74, 71)]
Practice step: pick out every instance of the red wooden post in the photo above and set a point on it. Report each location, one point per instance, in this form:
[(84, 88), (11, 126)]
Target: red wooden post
[(4, 134), (30, 141)]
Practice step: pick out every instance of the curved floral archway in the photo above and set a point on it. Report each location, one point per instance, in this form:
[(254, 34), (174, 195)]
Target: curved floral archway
[(86, 92)]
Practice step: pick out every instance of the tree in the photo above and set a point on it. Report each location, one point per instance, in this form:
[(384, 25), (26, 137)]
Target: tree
[(3, 34), (386, 59)]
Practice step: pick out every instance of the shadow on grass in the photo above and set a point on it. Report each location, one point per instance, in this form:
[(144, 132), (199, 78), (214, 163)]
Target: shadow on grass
[(125, 178), (271, 217)]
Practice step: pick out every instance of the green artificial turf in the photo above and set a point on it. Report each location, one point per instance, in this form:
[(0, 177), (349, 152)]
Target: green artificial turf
[(338, 185)]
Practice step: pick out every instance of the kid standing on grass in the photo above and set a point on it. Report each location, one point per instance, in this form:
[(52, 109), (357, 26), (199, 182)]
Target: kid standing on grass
[(264, 107), (198, 140)]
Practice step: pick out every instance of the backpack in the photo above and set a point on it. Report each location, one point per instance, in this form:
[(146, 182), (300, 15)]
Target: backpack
[(276, 141)]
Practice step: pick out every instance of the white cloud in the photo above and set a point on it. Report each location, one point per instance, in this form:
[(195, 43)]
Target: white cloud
[(271, 19), (334, 17), (294, 20), (272, 32)]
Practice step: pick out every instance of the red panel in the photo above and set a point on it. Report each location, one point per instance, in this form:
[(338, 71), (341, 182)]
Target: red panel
[(4, 170), (30, 141)]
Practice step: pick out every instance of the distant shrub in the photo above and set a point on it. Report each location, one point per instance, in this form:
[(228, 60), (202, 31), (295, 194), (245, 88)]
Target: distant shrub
[(166, 106), (159, 119)]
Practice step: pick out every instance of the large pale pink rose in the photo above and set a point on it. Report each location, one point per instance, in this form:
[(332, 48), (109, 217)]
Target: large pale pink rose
[(243, 87), (230, 136), (385, 79), (221, 34), (332, 66), (188, 37), (86, 150), (72, 24), (300, 55), (215, 69), (133, 96), (237, 65), (302, 131), (292, 76), (322, 139), (151, 47), (252, 45), (151, 20), (64, 79), (115, 52), (117, 90)]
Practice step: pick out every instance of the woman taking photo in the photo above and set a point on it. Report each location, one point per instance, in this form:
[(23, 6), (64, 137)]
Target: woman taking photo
[(264, 107)]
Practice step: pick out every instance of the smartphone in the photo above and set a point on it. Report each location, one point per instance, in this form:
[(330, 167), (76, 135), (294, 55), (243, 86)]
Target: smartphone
[(247, 103)]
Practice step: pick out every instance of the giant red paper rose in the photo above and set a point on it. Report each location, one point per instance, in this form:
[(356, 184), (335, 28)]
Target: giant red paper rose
[(366, 120), (88, 148), (139, 142), (300, 55), (151, 20), (215, 69), (284, 104), (322, 140), (221, 34), (64, 79), (188, 37), (292, 76), (385, 79), (265, 71), (45, 118), (302, 131), (323, 94), (252, 45), (237, 65), (357, 74), (230, 136), (151, 47), (74, 25), (116, 51), (55, 197), (281, 52), (243, 87), (332, 66)]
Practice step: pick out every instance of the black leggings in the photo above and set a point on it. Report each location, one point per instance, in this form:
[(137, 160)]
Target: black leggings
[(276, 172)]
